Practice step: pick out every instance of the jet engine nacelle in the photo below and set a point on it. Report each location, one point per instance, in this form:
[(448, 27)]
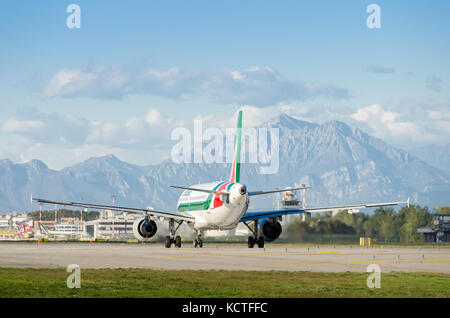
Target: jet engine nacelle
[(271, 230), (144, 229)]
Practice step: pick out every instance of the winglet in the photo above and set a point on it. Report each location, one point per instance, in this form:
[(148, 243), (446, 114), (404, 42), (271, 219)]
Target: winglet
[(407, 202)]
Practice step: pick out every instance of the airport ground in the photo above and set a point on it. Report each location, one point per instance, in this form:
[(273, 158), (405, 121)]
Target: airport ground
[(221, 270)]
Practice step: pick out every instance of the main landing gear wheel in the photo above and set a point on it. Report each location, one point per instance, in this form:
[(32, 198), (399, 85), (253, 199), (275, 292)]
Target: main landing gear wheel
[(172, 238), (198, 243), (168, 241), (178, 241), (251, 242), (261, 242)]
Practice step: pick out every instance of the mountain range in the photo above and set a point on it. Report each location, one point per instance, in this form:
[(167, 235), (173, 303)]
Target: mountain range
[(342, 164)]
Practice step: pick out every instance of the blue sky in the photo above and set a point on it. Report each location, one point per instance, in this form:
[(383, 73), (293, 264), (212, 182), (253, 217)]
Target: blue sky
[(137, 69)]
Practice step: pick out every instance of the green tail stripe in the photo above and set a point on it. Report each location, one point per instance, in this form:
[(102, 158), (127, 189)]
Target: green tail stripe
[(238, 148), (44, 228)]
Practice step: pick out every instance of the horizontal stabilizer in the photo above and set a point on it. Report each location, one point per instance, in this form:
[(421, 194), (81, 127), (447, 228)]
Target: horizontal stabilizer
[(201, 190), (275, 191)]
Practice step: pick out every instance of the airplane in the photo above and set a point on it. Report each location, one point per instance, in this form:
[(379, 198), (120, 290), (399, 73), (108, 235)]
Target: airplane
[(23, 229), (219, 205), (44, 232)]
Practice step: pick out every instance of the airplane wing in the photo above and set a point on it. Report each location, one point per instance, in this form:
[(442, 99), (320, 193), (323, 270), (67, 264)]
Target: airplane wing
[(251, 216), (166, 215)]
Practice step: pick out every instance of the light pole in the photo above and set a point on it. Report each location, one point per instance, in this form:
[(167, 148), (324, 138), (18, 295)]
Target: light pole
[(81, 217), (113, 197)]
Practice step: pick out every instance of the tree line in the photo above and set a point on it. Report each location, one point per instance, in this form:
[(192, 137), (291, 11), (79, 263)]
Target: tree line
[(385, 224), (49, 215)]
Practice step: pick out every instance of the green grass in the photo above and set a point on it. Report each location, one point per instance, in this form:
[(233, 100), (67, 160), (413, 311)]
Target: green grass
[(189, 283)]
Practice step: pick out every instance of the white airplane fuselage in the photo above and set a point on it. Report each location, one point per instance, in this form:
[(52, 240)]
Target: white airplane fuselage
[(215, 211)]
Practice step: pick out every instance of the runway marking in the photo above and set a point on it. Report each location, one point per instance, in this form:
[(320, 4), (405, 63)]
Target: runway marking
[(265, 253), (368, 262)]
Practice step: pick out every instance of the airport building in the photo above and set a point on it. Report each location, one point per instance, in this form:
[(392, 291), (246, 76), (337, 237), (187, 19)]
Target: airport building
[(440, 232), (110, 225), (4, 222)]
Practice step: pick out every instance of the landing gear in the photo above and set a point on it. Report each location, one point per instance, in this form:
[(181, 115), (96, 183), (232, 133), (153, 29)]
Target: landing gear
[(252, 240), (198, 241), (168, 241), (261, 242), (171, 237), (178, 241)]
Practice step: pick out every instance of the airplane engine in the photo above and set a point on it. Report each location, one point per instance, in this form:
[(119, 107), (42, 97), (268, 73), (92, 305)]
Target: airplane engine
[(144, 229), (271, 230)]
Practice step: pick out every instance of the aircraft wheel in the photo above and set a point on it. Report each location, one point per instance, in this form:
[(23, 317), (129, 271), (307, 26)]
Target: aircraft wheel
[(200, 243), (261, 242), (178, 241), (168, 241), (195, 243), (251, 242)]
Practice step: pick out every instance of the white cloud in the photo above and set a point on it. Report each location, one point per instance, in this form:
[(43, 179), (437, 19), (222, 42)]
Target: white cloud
[(38, 126), (388, 125), (153, 117), (14, 125), (61, 140), (259, 86), (439, 115)]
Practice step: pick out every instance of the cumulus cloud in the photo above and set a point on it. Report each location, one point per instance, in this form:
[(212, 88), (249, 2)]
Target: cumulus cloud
[(260, 86), (380, 69), (61, 140), (14, 125), (388, 125), (434, 83), (38, 126), (440, 115)]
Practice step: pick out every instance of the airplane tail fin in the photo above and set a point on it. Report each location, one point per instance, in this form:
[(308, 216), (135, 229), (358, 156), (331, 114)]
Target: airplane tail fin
[(43, 228), (236, 168), (28, 228)]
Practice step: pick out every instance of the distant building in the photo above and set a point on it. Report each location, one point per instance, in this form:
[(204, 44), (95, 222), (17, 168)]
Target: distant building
[(111, 226), (440, 232), (4, 222)]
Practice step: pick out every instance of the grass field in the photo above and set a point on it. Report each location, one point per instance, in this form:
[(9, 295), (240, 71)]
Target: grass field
[(188, 283)]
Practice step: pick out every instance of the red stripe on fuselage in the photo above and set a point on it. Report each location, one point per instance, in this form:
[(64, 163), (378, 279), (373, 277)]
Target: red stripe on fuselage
[(217, 201), (233, 170)]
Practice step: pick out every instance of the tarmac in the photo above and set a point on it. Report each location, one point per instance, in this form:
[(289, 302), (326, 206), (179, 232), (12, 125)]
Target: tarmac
[(224, 257)]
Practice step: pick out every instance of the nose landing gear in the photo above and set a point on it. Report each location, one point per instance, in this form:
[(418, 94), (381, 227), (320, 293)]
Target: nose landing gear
[(198, 241)]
